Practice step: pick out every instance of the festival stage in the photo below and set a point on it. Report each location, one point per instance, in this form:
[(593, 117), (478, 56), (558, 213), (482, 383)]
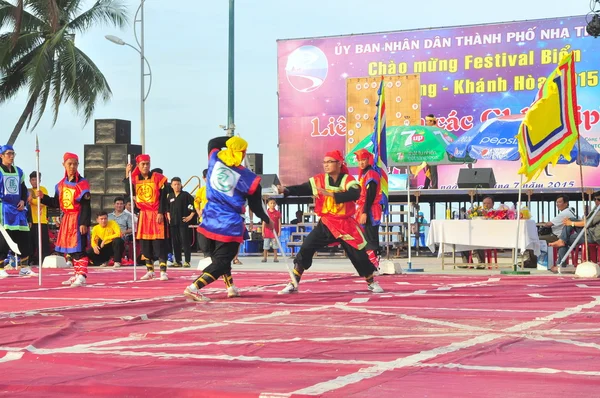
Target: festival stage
[(428, 335)]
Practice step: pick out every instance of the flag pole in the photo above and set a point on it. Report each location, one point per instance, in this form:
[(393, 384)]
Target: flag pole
[(515, 270), (416, 213), (39, 209), (585, 258), (133, 226)]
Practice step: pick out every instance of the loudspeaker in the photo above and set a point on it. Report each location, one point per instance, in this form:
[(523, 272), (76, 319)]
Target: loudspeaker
[(112, 131), (109, 156), (476, 178), (268, 180), (255, 162)]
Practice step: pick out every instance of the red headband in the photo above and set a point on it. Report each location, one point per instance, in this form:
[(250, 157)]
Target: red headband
[(363, 154), (337, 155), (142, 158), (69, 155), (139, 158)]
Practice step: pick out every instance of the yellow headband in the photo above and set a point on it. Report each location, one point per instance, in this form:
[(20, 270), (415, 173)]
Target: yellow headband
[(234, 154), (431, 119)]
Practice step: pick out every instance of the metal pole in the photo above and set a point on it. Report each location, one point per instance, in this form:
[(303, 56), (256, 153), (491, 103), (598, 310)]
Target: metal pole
[(142, 85), (39, 209), (133, 225), (515, 270), (231, 75)]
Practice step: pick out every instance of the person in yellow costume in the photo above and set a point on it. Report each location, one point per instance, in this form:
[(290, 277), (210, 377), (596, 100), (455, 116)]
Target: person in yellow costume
[(33, 208)]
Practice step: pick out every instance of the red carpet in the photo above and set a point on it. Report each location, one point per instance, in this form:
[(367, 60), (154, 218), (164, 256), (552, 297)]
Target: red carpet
[(428, 335)]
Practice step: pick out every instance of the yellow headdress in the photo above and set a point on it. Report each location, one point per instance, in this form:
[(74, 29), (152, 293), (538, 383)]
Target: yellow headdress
[(234, 154)]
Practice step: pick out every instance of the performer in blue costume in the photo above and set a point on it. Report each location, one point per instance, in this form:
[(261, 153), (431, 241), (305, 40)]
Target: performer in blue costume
[(13, 213), (228, 187)]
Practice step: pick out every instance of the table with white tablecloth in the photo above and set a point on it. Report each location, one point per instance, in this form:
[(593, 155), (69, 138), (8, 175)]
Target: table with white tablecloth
[(465, 235)]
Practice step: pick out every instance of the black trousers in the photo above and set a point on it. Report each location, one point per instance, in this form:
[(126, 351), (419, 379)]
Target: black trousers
[(180, 236), (203, 244), (154, 248), (21, 238), (114, 249), (33, 241), (221, 254), (372, 236), (320, 237)]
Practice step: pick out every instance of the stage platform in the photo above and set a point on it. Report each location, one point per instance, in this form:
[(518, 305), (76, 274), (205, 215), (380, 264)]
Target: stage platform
[(434, 335)]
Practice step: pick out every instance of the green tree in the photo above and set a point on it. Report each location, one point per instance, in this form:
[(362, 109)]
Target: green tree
[(38, 53)]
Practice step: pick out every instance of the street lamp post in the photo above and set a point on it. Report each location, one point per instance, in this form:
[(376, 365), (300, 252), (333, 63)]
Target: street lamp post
[(231, 76), (143, 63)]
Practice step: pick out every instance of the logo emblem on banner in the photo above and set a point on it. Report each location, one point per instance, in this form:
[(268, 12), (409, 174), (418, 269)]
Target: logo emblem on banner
[(307, 68)]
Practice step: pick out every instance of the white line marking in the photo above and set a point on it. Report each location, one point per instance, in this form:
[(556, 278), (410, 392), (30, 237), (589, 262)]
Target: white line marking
[(415, 318), (359, 300), (509, 369), (412, 360), (537, 295), (376, 370), (565, 341), (11, 356)]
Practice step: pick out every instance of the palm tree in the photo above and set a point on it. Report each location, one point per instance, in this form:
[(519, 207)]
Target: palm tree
[(39, 53)]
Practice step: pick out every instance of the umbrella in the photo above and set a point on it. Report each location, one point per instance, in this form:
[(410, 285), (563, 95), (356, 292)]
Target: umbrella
[(413, 145), (496, 139)]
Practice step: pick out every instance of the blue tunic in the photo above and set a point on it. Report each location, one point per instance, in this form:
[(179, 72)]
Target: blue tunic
[(226, 192), (10, 196)]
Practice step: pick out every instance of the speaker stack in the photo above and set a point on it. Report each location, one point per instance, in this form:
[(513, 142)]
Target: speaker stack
[(105, 162)]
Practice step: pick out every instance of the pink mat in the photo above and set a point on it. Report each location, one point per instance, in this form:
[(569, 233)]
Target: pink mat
[(428, 335)]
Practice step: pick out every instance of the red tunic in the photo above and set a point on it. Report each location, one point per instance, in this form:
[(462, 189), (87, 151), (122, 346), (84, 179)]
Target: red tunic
[(147, 199), (70, 194), (375, 210), (338, 217)]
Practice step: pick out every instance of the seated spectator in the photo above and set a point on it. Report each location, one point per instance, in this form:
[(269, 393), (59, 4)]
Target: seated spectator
[(570, 235), (553, 229), (106, 242), (298, 219), (122, 218)]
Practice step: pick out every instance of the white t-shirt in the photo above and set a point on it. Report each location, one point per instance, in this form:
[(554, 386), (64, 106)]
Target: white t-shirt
[(557, 222)]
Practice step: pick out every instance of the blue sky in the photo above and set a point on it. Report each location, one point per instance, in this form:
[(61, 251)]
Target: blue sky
[(186, 44)]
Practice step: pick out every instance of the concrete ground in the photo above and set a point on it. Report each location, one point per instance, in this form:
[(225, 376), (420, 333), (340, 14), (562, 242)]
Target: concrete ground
[(425, 260)]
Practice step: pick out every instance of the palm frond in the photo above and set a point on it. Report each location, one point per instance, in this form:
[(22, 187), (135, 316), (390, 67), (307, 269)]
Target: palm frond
[(16, 76), (8, 13), (58, 92), (90, 87), (109, 12), (42, 99), (9, 54)]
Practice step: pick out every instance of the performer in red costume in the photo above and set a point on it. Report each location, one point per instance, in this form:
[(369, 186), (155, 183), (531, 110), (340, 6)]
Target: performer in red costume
[(72, 196), (368, 205), (150, 198), (336, 192)]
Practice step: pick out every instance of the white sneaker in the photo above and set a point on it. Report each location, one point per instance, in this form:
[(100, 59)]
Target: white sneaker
[(149, 275), (103, 265), (116, 265), (3, 274), (80, 280), (69, 264), (69, 282), (289, 289), (375, 288), (26, 271), (156, 263), (232, 291), (164, 276), (170, 263), (193, 294)]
